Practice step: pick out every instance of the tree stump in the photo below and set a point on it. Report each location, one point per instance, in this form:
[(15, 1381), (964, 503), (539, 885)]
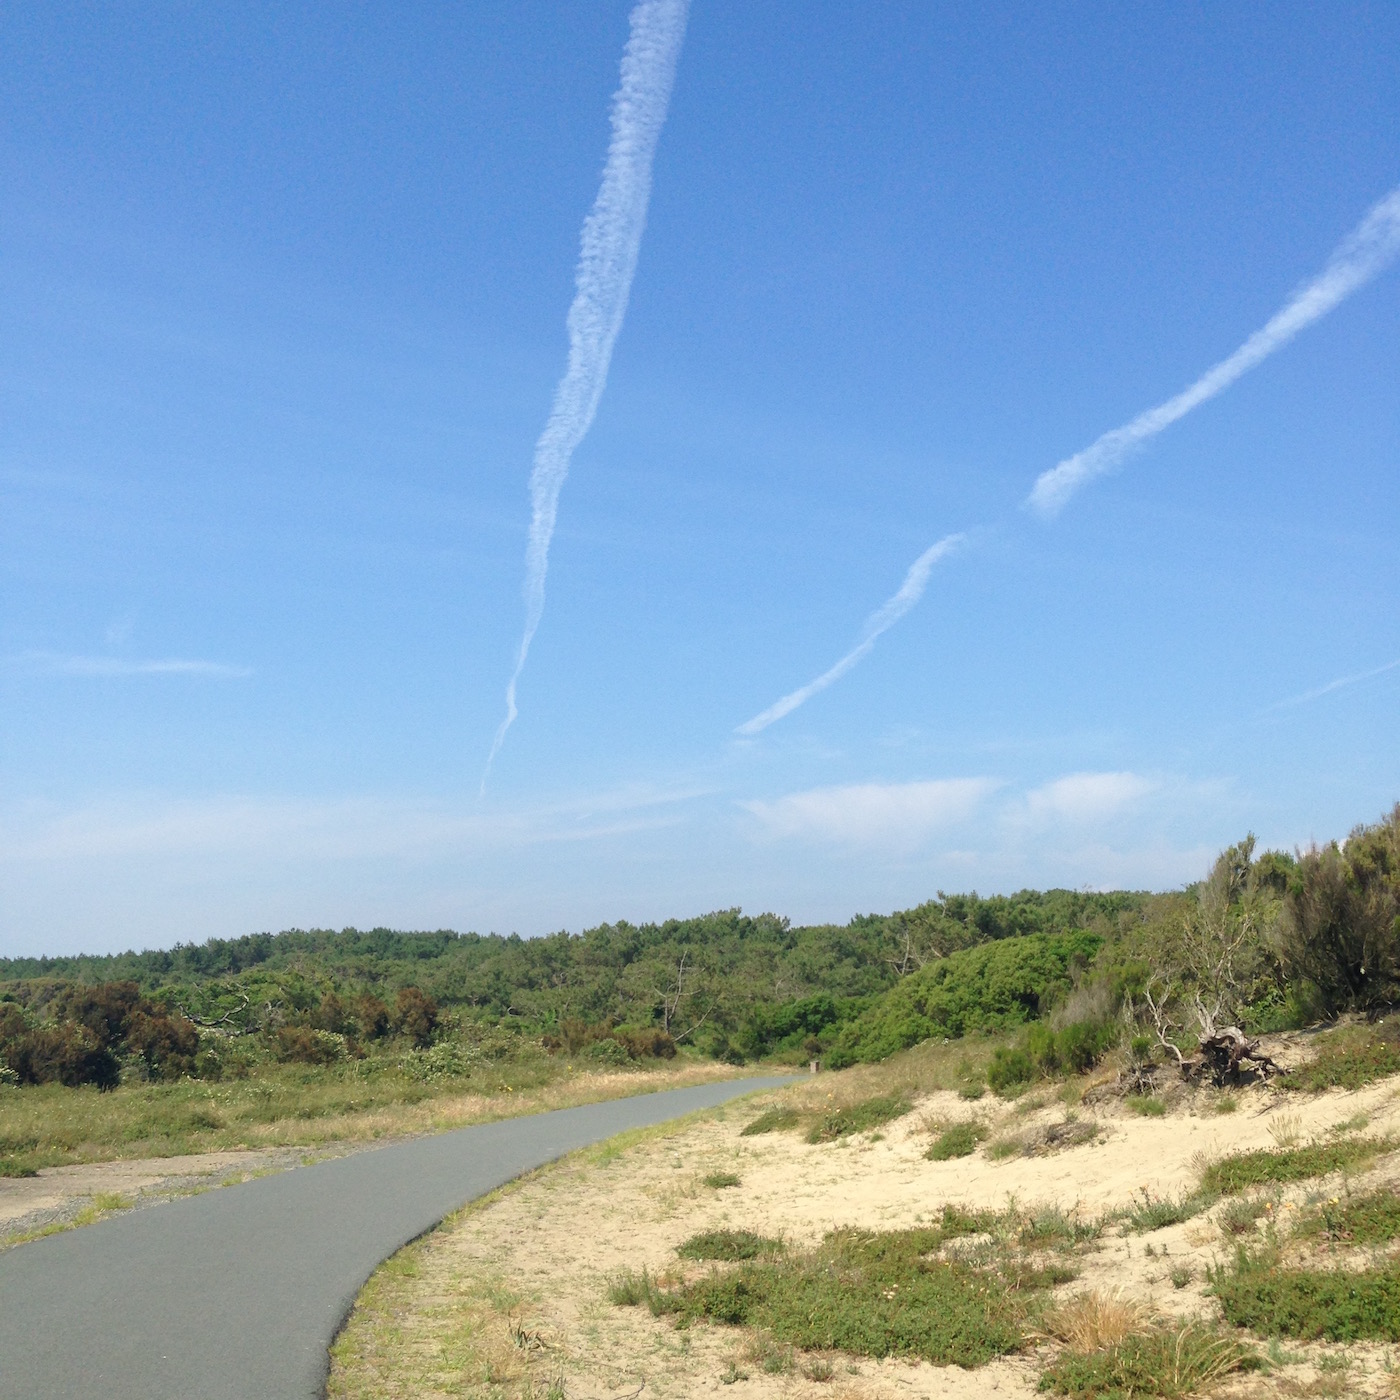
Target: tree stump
[(1222, 1056)]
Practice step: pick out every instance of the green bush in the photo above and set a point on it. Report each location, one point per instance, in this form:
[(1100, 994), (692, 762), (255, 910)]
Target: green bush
[(958, 1141), (996, 987), (1010, 1069)]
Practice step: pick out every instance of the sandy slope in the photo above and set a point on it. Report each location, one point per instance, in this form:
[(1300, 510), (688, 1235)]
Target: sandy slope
[(545, 1250)]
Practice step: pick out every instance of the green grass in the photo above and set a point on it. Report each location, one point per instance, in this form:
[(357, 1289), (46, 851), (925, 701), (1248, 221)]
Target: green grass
[(1339, 1305), (1245, 1169), (729, 1245), (773, 1120), (1240, 1217), (631, 1289), (1148, 1107), (870, 1295), (1170, 1362), (858, 1118), (958, 1141), (721, 1181), (1347, 1059)]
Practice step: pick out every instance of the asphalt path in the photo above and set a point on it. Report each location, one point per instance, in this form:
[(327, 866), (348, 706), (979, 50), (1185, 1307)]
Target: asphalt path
[(237, 1294)]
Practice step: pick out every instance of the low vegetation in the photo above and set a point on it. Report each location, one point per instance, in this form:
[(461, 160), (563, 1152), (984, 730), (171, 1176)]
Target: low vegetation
[(1337, 1305), (1169, 1361), (1243, 1170), (729, 1245)]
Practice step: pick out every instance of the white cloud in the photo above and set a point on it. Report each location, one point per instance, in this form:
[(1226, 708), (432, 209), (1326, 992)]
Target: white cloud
[(891, 814), (1088, 797), (287, 830)]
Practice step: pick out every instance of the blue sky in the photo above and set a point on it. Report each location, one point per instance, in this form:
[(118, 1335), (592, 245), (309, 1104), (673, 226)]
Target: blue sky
[(282, 302)]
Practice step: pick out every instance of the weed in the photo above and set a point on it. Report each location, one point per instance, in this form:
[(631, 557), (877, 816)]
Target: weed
[(1146, 1107), (1245, 1169), (631, 1289), (1165, 1361), (1005, 1147), (1051, 1225), (1286, 1131), (731, 1374), (1342, 1305), (958, 1141), (721, 1181), (1180, 1276), (972, 1092), (1369, 1219), (859, 1117), (1355, 1124), (111, 1200), (818, 1368), (771, 1357), (772, 1120), (729, 1245), (1239, 1217), (1225, 1103), (1149, 1212)]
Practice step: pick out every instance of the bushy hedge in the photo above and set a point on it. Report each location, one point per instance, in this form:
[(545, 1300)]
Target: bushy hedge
[(1044, 1052), (996, 987)]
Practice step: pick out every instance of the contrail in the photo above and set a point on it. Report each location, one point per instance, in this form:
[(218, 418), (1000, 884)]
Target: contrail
[(1373, 243), (611, 239), (910, 591), (1340, 683)]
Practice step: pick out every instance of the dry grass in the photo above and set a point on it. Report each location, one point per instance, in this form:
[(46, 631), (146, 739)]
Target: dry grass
[(1095, 1320)]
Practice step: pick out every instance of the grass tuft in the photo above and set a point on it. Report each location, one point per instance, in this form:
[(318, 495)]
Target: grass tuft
[(1146, 1107), (859, 1117), (728, 1245), (1165, 1361), (722, 1181)]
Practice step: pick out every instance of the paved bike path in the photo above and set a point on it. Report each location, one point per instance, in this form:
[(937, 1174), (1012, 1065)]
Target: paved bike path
[(236, 1294)]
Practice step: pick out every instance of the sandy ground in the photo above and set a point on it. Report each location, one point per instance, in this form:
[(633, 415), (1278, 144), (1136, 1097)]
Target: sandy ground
[(535, 1263)]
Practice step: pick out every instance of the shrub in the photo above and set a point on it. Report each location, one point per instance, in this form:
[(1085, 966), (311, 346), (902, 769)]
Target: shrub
[(302, 1045), (1340, 931), (608, 1052), (958, 1141), (646, 1042), (996, 987), (415, 1016), (66, 1053), (167, 1045), (372, 1017), (1146, 1105), (858, 1118), (772, 1120), (1009, 1070), (1245, 1169), (629, 1289)]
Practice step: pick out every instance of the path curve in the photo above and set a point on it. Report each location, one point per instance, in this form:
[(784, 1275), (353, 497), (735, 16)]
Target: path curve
[(236, 1294)]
